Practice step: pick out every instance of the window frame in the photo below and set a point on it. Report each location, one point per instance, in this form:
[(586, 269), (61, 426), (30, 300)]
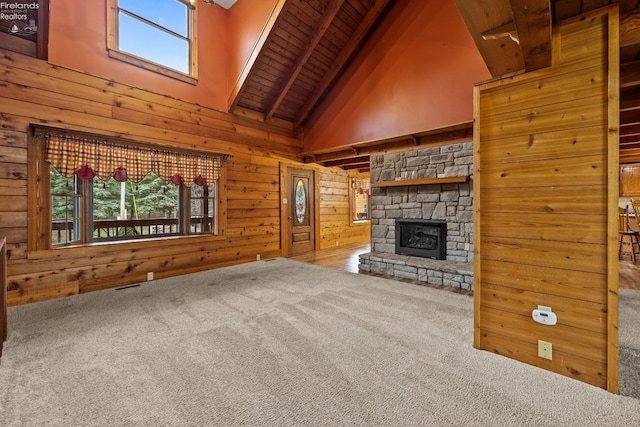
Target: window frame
[(353, 176), (114, 51), (40, 211)]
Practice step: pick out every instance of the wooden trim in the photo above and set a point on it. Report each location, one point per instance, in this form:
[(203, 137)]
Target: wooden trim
[(3, 293), (477, 176), (423, 181), (42, 45), (613, 180)]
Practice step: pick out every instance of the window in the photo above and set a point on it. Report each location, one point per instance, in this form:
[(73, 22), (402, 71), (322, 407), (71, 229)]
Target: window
[(151, 194), (158, 35), (360, 191)]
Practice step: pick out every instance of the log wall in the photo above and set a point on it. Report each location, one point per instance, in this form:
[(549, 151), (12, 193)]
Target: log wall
[(336, 227), (33, 91), (546, 169)]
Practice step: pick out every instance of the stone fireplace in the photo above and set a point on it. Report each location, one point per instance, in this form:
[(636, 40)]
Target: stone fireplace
[(449, 204)]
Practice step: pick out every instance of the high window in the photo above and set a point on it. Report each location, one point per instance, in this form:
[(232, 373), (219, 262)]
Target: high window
[(91, 191), (158, 35)]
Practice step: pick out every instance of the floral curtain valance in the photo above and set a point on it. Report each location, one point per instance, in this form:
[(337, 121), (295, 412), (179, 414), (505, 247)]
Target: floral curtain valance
[(90, 158)]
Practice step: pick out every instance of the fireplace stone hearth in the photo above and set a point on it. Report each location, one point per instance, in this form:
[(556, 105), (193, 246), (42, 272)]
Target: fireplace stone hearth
[(449, 203)]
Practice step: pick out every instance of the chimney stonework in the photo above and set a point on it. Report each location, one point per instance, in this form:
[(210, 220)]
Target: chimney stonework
[(452, 203)]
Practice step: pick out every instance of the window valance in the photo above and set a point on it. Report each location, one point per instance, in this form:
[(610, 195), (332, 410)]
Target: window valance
[(361, 185), (93, 158)]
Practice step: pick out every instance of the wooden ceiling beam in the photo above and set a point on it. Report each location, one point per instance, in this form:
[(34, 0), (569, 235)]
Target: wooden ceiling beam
[(318, 32), (630, 156), (362, 167), (372, 15), (630, 117), (347, 161), (629, 99), (629, 130), (630, 28), (628, 141), (533, 25), (629, 74), (258, 52), (502, 55)]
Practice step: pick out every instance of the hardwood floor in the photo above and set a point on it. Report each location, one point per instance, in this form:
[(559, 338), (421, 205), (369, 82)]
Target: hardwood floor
[(347, 258), (629, 275), (341, 257)]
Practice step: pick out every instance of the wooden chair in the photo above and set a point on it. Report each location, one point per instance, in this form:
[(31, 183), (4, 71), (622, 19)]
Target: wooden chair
[(625, 233), (635, 205)]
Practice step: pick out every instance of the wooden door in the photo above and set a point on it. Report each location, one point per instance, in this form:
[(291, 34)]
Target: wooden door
[(301, 211)]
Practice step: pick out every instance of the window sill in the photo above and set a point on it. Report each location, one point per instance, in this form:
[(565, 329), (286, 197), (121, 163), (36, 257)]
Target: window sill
[(151, 66)]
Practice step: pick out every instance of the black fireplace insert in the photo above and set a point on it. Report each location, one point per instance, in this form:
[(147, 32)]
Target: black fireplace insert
[(425, 238)]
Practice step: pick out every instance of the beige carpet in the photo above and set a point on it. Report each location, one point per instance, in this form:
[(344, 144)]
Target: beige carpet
[(278, 343)]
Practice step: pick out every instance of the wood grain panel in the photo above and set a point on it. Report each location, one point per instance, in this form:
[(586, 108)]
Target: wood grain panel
[(532, 93), (545, 280), (578, 199), (565, 255), (585, 370), (37, 92), (582, 39), (585, 228), (571, 312), (576, 341), (545, 185), (562, 115), (547, 145), (572, 171)]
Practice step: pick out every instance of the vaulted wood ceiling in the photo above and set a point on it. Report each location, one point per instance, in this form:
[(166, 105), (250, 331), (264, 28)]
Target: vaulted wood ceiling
[(307, 45), (304, 49)]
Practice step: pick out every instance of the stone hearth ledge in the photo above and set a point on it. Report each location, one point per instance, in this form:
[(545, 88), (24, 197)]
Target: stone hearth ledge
[(434, 272)]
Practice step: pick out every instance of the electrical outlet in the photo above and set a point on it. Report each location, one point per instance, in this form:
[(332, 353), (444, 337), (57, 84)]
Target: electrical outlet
[(258, 257), (150, 275), (336, 243), (467, 247), (545, 350)]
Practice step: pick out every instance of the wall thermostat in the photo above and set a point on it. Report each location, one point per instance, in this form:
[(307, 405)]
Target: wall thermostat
[(544, 315)]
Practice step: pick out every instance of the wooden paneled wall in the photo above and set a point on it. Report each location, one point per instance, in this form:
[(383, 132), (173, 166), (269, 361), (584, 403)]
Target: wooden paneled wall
[(546, 169), (33, 91), (336, 227)]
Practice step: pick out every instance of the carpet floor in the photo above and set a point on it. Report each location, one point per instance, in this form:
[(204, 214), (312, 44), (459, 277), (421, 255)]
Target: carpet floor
[(284, 343)]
